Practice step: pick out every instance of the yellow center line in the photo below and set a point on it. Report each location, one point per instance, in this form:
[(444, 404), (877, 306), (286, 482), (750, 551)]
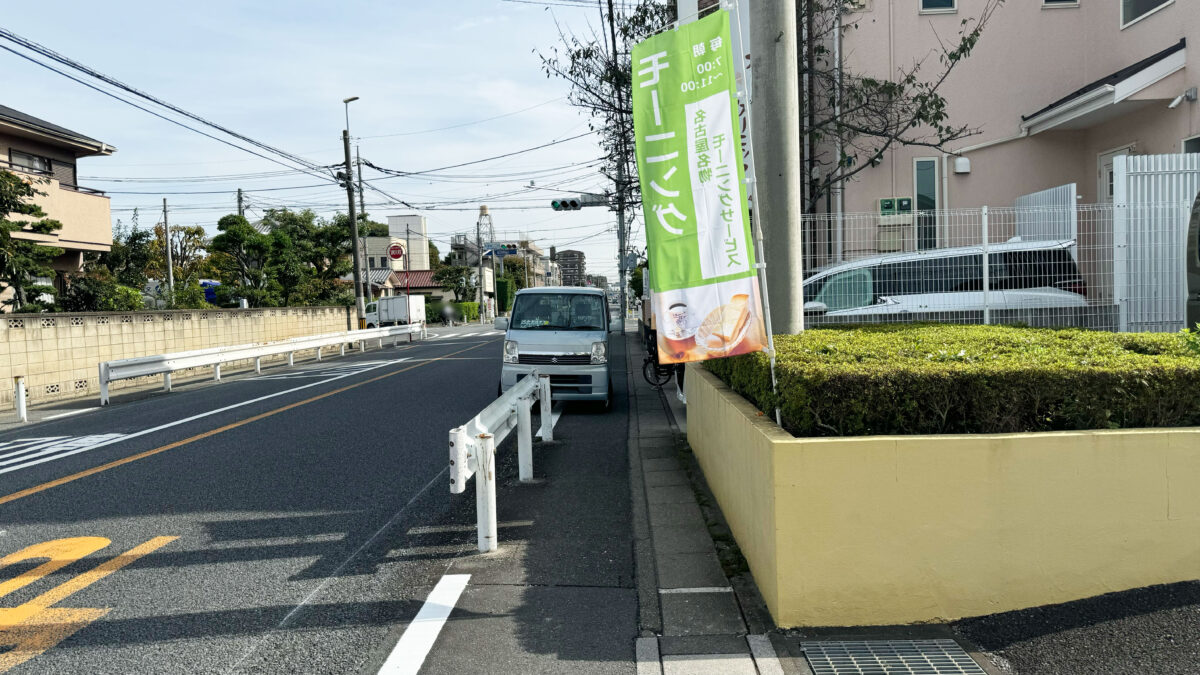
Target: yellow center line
[(213, 432)]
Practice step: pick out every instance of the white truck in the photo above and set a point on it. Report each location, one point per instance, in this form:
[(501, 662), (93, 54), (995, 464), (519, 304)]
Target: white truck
[(395, 311)]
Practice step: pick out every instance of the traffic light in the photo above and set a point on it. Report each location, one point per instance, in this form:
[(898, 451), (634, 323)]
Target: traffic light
[(571, 204)]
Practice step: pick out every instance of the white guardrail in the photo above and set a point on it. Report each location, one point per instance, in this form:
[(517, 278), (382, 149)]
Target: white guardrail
[(473, 447), (165, 364)]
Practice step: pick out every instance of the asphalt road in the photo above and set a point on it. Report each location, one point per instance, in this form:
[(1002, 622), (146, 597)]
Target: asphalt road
[(292, 522)]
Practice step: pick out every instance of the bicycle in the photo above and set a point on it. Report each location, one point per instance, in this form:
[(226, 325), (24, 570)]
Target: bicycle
[(656, 374)]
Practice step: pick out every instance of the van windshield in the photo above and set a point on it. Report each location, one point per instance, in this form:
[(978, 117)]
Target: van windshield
[(558, 311)]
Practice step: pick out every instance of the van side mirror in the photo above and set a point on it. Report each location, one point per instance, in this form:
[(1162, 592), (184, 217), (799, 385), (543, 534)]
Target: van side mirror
[(814, 307), (501, 323)]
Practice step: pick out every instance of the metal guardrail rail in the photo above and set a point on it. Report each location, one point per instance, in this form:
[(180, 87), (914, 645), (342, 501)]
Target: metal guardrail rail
[(473, 447), (165, 364)]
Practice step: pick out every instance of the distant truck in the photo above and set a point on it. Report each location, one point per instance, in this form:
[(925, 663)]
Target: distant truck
[(395, 311)]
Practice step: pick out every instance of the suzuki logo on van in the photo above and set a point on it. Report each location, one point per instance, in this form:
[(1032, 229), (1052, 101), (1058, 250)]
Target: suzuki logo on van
[(553, 359)]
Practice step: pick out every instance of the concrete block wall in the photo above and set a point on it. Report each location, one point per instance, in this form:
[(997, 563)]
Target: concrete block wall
[(60, 354)]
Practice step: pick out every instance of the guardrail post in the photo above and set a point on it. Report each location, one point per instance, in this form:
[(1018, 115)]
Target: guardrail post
[(19, 398), (485, 492), (319, 353), (381, 342), (525, 440), (460, 472), (166, 382), (103, 384), (362, 345), (291, 358), (544, 405), (258, 366), (343, 352), (217, 373)]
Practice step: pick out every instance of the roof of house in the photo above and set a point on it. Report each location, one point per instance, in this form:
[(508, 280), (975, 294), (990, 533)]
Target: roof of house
[(29, 122), (1113, 79), (419, 279)]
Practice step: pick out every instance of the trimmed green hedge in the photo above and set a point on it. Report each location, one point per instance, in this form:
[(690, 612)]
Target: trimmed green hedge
[(945, 379)]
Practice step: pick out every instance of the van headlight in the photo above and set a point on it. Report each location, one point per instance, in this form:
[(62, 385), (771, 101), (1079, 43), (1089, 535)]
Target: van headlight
[(510, 351), (599, 352)]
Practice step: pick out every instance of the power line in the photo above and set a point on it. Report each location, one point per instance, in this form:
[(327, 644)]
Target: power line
[(59, 58), (465, 124), (394, 172)]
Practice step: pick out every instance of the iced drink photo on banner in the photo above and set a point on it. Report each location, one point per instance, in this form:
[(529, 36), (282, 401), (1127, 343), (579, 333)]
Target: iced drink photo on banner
[(706, 298)]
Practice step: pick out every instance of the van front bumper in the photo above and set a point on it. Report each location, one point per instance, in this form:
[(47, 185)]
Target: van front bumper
[(567, 383)]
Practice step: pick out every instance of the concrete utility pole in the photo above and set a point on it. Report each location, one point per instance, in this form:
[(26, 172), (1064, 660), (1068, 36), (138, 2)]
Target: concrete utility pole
[(484, 213), (407, 268), (358, 280), (622, 154), (479, 244), (241, 206), (774, 116), (362, 205), (170, 263)]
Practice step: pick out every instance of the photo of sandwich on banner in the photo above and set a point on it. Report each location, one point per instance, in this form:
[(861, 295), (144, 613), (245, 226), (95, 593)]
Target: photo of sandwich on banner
[(709, 322)]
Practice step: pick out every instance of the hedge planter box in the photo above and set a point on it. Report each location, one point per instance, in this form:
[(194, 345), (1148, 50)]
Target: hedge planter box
[(876, 530)]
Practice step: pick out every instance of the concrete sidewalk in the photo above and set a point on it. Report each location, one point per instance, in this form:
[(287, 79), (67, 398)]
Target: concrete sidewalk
[(693, 619)]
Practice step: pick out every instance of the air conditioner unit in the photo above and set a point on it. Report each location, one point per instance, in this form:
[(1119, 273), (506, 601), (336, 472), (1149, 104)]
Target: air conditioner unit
[(894, 233)]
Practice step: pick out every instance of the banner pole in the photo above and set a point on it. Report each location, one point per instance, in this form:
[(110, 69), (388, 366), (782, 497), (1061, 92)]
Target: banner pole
[(755, 226)]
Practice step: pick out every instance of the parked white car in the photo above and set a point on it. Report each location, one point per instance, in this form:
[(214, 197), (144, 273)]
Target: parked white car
[(1022, 275)]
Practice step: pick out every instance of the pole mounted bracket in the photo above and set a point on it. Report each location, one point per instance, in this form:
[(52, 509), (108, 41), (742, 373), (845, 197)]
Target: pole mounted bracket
[(760, 265)]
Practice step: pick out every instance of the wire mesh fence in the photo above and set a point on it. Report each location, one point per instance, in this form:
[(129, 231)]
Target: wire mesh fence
[(1097, 266)]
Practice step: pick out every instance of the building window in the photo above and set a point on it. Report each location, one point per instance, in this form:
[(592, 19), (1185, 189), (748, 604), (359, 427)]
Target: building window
[(925, 190), (1191, 145), (1134, 10), (24, 160), (939, 5)]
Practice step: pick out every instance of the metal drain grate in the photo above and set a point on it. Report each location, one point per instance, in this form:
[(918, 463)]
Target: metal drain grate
[(890, 657)]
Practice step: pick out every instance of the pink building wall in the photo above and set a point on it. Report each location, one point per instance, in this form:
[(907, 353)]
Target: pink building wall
[(1027, 58)]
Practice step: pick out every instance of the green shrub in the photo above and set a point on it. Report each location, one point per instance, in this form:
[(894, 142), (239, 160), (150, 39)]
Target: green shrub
[(467, 311), (939, 379), (433, 311)]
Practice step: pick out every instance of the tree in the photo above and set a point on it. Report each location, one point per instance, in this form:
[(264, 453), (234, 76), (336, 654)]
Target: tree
[(189, 254), (242, 256), (877, 114), (515, 269), (457, 280), (130, 256), (435, 260), (23, 261), (98, 292), (635, 282)]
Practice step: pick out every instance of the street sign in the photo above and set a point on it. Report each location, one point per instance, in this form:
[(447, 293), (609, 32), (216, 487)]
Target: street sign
[(396, 252)]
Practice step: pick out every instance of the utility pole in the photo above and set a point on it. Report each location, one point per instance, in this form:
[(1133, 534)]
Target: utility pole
[(619, 95), (479, 245), (484, 213), (407, 268), (362, 205), (241, 206), (776, 137), (170, 263), (358, 281)]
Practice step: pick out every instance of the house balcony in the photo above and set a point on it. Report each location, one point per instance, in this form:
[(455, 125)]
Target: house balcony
[(84, 213)]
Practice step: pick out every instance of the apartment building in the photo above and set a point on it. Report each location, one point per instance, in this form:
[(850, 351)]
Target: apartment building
[(49, 155), (1056, 89), (573, 266)]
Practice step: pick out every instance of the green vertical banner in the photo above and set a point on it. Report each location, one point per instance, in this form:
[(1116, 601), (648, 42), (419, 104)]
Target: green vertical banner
[(705, 298)]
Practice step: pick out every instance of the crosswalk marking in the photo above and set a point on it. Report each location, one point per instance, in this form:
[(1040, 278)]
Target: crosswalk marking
[(26, 452)]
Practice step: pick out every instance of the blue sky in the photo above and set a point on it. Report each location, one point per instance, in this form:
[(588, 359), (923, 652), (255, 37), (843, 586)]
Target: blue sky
[(278, 72)]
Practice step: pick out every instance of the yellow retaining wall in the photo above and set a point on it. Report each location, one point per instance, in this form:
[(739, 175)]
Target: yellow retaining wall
[(896, 530), (60, 354)]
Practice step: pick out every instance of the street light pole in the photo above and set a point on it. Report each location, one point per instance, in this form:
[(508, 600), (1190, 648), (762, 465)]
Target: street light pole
[(358, 280)]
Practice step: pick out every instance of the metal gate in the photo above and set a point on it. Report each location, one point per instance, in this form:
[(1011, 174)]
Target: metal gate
[(1152, 203)]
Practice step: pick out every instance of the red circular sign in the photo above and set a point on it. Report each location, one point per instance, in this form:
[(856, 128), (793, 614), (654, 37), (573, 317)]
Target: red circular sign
[(396, 252)]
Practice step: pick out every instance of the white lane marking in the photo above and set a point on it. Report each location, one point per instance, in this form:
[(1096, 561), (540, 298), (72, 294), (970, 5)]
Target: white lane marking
[(336, 574), (325, 371), (410, 652), (69, 413), (764, 655), (555, 413), (699, 589), (50, 448), (193, 418)]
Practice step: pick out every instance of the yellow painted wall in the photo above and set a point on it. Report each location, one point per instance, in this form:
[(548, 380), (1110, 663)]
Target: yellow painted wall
[(60, 354), (882, 530)]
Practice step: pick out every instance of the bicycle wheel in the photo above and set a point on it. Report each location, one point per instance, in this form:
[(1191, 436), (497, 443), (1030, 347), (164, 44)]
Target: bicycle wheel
[(655, 374)]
